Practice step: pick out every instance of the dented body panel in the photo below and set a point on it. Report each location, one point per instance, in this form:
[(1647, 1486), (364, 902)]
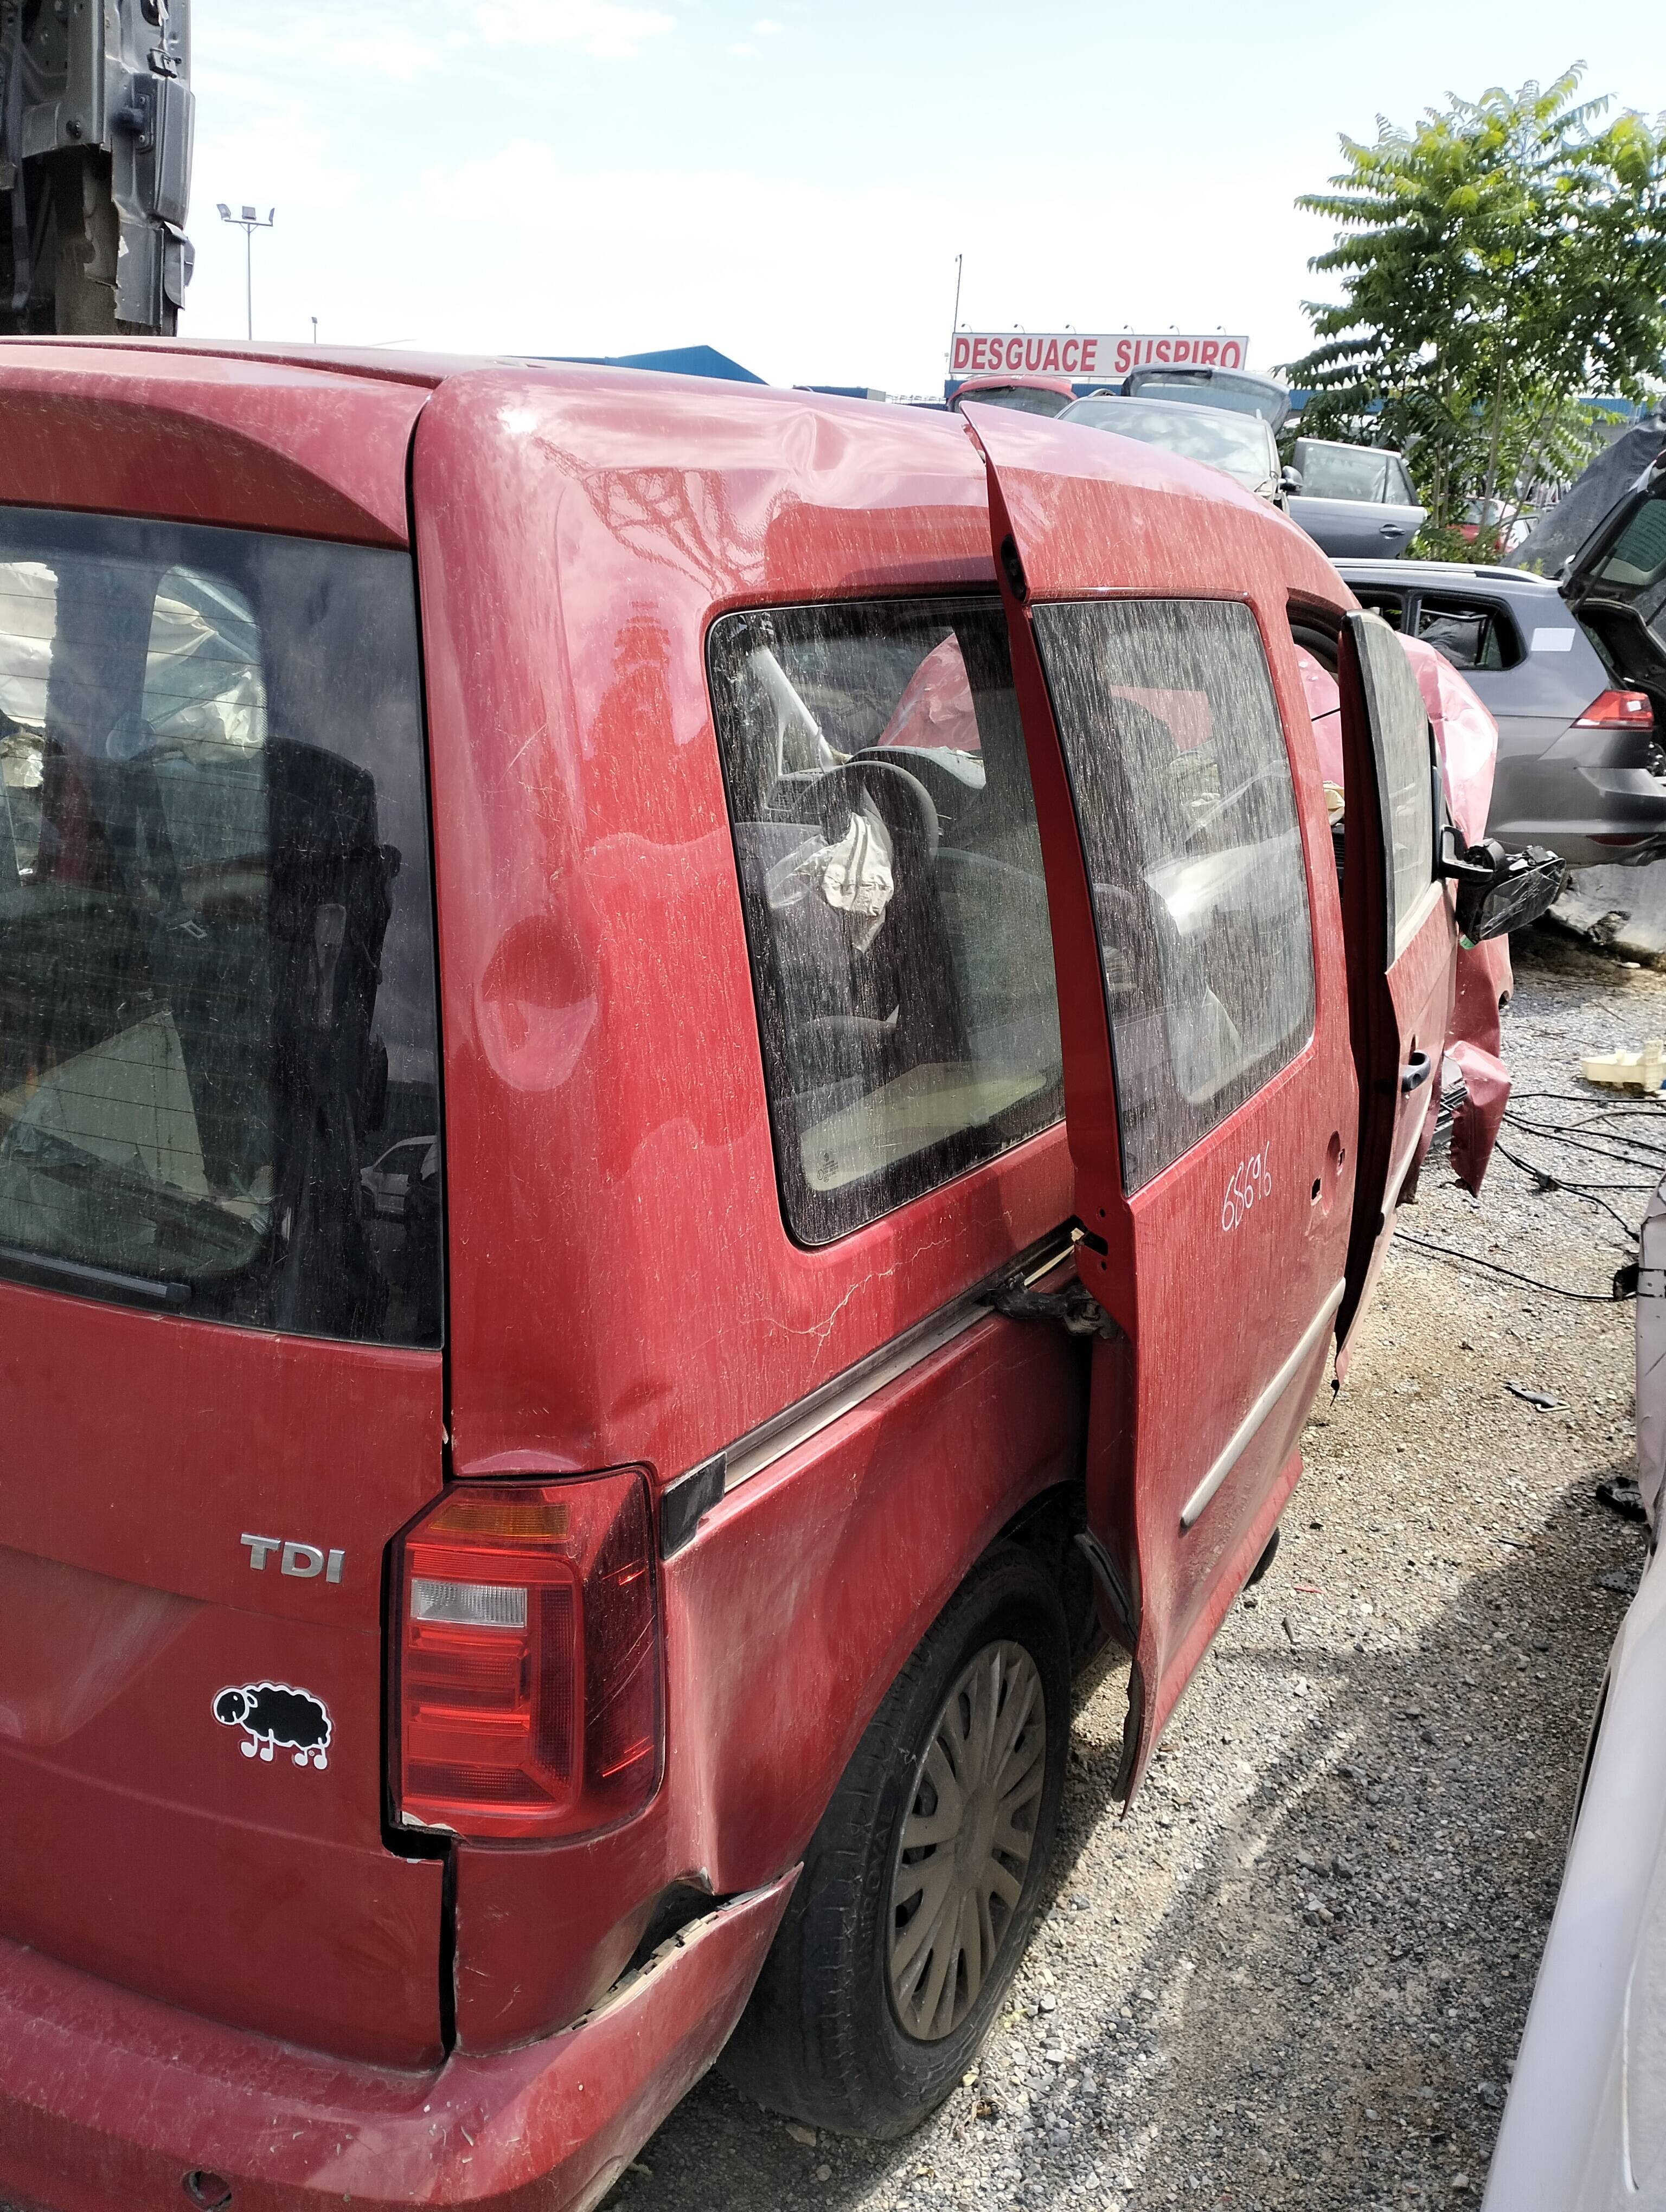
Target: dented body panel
[(201, 1523)]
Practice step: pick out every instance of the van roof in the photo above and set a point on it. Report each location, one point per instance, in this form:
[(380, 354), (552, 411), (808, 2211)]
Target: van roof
[(330, 461), (316, 441)]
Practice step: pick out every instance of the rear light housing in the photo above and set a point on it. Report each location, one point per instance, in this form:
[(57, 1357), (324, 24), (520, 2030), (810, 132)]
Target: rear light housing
[(528, 1659), (1617, 710)]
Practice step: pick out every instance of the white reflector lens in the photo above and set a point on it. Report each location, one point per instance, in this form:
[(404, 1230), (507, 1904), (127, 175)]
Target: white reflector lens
[(469, 1605)]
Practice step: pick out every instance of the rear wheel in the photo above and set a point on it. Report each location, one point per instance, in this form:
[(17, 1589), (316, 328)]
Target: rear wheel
[(920, 1886)]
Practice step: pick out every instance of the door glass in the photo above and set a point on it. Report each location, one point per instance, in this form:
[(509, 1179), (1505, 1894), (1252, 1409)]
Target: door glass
[(1356, 472), (890, 876), (1187, 819), (217, 958), (1399, 732)]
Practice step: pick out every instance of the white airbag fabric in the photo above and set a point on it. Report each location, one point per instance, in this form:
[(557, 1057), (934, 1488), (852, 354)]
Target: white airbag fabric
[(853, 875)]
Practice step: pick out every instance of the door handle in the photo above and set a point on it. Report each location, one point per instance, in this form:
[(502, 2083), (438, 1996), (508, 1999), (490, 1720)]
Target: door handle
[(1389, 530), (1415, 1073)]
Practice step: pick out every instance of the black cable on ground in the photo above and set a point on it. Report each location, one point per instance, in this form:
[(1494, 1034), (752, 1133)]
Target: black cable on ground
[(1586, 1192), (1491, 1268)]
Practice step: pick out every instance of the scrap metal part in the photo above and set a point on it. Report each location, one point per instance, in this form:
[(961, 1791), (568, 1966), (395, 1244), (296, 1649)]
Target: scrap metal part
[(95, 129)]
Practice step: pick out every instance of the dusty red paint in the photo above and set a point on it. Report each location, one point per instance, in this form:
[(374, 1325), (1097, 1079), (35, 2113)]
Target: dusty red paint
[(550, 2124), (1170, 1260), (622, 1290)]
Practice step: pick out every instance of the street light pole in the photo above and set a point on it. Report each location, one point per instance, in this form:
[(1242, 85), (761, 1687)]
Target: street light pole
[(248, 222)]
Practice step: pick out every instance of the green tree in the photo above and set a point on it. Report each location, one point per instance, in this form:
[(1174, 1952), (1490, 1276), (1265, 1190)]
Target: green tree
[(1503, 257)]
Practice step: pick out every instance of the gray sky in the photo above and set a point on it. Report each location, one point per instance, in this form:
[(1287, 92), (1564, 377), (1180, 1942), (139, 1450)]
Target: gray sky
[(590, 176)]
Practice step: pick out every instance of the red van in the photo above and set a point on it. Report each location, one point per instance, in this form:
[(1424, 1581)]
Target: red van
[(684, 1095)]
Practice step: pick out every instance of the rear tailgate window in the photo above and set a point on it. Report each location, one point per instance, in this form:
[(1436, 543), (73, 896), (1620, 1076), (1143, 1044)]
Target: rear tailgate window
[(218, 1035)]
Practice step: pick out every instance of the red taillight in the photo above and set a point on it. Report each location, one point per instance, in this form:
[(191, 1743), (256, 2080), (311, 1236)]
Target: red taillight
[(526, 1689), (1617, 710)]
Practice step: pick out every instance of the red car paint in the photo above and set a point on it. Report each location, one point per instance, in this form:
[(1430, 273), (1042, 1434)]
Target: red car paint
[(622, 1292), (1467, 741)]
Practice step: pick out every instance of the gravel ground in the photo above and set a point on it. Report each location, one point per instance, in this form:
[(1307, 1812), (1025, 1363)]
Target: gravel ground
[(1297, 1973)]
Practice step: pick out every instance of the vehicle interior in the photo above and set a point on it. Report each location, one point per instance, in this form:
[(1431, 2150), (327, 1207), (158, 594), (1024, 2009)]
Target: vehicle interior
[(891, 877), (194, 910)]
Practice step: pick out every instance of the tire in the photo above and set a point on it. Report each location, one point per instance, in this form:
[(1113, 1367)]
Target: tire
[(1268, 1555), (843, 2030)]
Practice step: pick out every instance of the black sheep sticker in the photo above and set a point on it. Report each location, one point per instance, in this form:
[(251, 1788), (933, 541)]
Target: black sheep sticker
[(271, 1713)]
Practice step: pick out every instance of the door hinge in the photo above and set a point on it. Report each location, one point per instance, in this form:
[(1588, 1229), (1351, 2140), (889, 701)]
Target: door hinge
[(1074, 1307)]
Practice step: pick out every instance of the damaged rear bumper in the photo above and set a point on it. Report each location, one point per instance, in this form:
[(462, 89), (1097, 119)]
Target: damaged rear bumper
[(108, 2100)]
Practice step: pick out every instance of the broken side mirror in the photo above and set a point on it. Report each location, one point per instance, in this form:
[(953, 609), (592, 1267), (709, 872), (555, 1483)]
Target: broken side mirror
[(1498, 891)]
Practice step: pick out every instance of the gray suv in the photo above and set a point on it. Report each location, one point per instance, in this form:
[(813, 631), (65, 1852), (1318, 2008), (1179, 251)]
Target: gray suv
[(1580, 702)]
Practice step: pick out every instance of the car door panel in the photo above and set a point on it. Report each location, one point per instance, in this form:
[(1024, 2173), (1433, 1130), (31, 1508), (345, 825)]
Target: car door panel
[(1355, 529), (1400, 934), (1205, 1241)]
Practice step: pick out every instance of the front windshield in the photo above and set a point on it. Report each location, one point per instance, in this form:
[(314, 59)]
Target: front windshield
[(1239, 444)]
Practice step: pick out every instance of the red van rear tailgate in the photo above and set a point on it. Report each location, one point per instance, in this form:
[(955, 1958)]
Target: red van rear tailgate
[(145, 1839)]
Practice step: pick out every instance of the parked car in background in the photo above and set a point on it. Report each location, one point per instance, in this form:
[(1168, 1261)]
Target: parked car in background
[(920, 1116), (1579, 709), (1029, 395), (386, 1185), (1355, 501), (1496, 522), (1241, 444), (1239, 390), (1560, 531)]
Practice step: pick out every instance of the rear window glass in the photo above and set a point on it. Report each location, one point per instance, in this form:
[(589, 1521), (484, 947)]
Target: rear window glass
[(1638, 557), (218, 1049), (897, 916)]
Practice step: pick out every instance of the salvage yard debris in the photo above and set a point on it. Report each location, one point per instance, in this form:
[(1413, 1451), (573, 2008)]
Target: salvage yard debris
[(1628, 1071)]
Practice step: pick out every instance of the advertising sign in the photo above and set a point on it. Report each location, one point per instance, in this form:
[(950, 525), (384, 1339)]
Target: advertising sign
[(1080, 354)]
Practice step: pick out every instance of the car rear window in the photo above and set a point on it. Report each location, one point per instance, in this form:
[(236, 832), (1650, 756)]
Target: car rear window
[(217, 1003), (1638, 557), (890, 876)]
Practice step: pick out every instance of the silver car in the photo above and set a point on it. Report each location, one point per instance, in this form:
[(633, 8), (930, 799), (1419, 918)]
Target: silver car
[(1242, 445), (1584, 2128), (1579, 699), (1356, 503)]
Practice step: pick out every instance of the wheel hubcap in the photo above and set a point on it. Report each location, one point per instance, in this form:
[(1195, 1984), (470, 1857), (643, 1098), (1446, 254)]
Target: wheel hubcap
[(967, 1840)]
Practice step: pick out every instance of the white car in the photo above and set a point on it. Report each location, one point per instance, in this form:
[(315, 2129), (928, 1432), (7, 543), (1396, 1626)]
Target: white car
[(1584, 2128), (1242, 445), (386, 1185)]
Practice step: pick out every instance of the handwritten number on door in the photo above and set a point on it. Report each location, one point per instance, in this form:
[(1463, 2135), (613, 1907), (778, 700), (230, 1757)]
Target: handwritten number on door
[(1251, 1179)]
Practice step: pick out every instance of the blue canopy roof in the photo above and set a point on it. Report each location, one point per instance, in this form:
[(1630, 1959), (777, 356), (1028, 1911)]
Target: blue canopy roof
[(672, 360)]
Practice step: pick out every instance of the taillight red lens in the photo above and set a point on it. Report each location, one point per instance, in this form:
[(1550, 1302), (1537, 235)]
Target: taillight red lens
[(1617, 710), (527, 1667)]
